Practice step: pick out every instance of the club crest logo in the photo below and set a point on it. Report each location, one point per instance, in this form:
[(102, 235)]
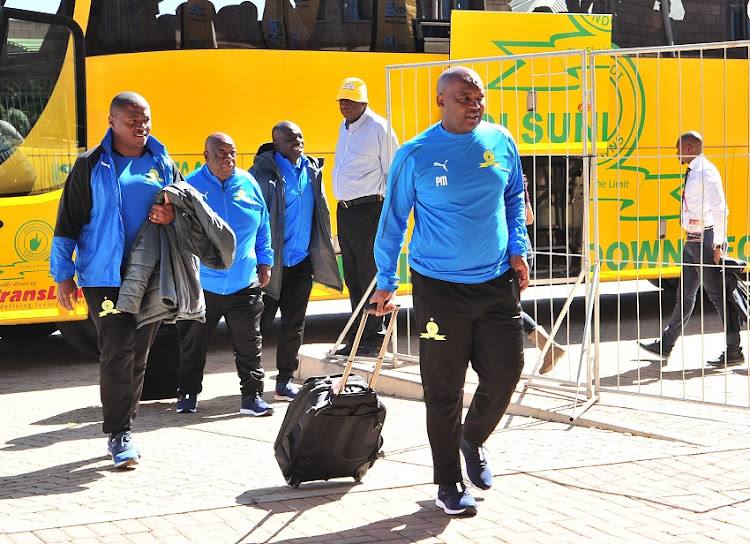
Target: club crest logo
[(34, 240), (432, 329)]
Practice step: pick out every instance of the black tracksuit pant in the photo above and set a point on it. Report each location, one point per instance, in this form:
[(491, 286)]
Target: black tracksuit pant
[(459, 323), (357, 227), (296, 284), (241, 311), (123, 352)]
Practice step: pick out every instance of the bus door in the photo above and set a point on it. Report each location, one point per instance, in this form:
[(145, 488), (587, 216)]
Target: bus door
[(42, 130)]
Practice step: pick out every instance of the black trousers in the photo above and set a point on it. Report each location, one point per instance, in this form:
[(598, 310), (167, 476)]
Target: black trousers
[(241, 311), (357, 227), (694, 255), (459, 323), (296, 284), (123, 352)]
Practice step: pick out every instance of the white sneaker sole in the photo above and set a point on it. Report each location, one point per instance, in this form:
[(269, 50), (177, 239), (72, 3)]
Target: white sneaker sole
[(246, 412), (282, 397), (129, 462), (468, 510)]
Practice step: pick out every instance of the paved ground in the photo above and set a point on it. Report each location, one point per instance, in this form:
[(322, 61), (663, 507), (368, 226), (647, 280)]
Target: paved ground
[(630, 469)]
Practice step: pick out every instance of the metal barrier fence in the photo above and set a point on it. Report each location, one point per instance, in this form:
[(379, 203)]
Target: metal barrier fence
[(541, 99), (597, 133), (637, 186)]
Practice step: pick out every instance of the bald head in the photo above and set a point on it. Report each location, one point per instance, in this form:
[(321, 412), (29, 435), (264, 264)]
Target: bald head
[(216, 139), (458, 74), (288, 141), (127, 99), (220, 155), (689, 146)]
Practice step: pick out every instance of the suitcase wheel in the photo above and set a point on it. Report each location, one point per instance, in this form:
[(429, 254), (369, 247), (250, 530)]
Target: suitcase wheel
[(361, 471), (293, 481)]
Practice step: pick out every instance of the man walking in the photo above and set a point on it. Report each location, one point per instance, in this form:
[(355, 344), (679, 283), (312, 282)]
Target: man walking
[(463, 178), (108, 195), (234, 293), (291, 183), (703, 216), (364, 152)]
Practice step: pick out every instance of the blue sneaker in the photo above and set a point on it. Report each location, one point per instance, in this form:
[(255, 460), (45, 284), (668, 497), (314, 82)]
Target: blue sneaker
[(122, 449), (455, 500), (286, 391), (187, 403), (254, 405), (477, 468)]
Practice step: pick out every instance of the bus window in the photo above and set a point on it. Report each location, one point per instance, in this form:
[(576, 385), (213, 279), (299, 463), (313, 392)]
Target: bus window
[(32, 63), (130, 26), (52, 7)]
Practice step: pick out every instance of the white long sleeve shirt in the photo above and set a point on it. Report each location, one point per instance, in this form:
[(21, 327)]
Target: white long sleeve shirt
[(703, 202), (363, 157)]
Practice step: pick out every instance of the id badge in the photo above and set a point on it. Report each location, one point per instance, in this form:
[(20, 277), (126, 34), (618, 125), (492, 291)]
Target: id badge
[(694, 230)]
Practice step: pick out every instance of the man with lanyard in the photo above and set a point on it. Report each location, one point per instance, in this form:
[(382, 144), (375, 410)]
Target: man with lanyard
[(364, 152), (108, 195), (234, 293), (463, 179), (292, 186), (703, 216)]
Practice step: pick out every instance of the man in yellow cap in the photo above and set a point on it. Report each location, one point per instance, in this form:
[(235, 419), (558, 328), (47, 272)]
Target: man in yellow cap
[(364, 153)]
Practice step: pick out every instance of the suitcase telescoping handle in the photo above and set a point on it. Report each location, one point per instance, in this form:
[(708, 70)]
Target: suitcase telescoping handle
[(355, 345)]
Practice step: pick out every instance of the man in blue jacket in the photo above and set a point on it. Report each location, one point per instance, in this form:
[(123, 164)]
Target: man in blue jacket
[(108, 195), (292, 185), (463, 179), (234, 293)]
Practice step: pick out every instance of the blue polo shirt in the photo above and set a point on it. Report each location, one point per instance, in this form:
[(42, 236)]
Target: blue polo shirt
[(140, 180), (298, 211)]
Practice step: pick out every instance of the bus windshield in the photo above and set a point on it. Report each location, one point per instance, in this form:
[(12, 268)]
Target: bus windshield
[(345, 25), (38, 119)]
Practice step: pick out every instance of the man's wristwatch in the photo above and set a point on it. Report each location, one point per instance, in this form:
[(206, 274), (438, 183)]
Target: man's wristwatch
[(719, 246)]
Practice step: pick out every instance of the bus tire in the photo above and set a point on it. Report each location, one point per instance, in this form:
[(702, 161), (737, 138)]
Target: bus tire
[(160, 381), (82, 336), (32, 330), (668, 284)]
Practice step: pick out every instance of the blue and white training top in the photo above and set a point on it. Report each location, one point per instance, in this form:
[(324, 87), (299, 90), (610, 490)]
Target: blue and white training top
[(469, 209)]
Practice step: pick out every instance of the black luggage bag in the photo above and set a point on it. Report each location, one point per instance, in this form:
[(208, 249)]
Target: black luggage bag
[(331, 431)]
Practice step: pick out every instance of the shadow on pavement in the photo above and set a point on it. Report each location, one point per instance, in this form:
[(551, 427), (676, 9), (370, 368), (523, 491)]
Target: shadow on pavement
[(425, 523), (72, 477)]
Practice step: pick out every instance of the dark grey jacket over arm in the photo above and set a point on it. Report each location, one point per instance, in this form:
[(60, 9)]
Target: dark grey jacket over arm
[(162, 277)]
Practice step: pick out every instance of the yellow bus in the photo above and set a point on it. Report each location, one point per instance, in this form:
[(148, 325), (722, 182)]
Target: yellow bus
[(228, 65), (242, 66)]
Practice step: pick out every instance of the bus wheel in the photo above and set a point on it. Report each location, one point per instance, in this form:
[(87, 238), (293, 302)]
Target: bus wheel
[(81, 335), (668, 284), (33, 330)]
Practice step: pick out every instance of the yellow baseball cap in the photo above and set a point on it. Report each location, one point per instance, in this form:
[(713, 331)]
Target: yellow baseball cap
[(352, 89)]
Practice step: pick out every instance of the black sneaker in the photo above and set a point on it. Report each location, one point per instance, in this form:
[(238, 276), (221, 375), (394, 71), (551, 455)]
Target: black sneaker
[(655, 348), (728, 358), (187, 404), (479, 472), (456, 500)]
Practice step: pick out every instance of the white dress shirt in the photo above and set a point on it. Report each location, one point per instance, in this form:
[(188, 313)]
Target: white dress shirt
[(364, 152), (703, 202)]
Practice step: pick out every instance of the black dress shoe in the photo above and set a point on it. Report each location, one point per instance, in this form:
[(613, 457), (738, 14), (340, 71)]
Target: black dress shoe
[(345, 351), (654, 347), (732, 358), (366, 350)]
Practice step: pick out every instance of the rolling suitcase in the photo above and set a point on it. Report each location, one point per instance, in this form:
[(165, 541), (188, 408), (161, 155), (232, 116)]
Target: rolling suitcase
[(331, 431)]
